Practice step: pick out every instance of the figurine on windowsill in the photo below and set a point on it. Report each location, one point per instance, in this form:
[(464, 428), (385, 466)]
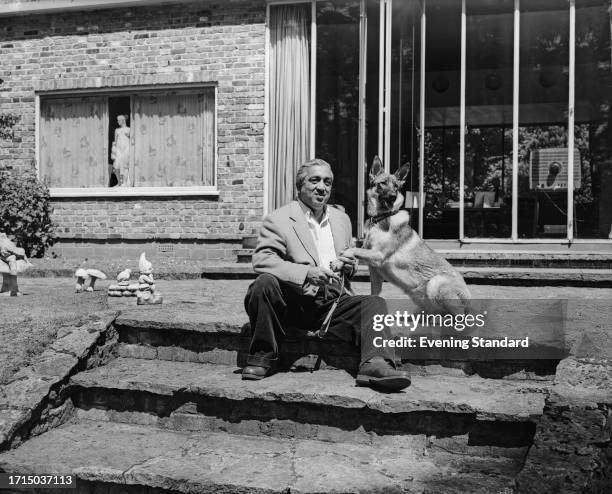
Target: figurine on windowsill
[(120, 152)]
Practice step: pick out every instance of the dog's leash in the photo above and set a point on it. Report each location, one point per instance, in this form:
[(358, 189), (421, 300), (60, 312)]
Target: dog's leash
[(322, 331)]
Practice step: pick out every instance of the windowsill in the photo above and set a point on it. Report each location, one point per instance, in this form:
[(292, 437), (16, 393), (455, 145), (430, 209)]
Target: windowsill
[(111, 192)]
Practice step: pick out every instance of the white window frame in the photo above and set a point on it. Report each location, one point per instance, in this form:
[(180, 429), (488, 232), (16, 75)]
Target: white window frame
[(118, 192), (569, 238), (385, 103), (421, 202)]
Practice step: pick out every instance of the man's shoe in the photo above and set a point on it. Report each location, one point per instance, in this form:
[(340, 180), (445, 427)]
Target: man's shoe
[(258, 367), (380, 374)]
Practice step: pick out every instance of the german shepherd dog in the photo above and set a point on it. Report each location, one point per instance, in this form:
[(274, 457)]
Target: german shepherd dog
[(395, 252)]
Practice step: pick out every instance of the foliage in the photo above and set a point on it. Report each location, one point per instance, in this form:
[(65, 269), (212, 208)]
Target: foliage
[(484, 158), (442, 170), (7, 122), (25, 211)]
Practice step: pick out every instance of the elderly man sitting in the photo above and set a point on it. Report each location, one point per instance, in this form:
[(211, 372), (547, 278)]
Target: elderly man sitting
[(297, 245)]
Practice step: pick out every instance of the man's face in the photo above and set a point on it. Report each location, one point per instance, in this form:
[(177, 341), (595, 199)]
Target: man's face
[(316, 189)]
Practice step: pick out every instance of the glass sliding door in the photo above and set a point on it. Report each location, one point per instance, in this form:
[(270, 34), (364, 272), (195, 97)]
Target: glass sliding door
[(337, 98), (543, 115), (593, 120), (488, 117), (405, 87), (374, 38), (392, 90), (442, 105)]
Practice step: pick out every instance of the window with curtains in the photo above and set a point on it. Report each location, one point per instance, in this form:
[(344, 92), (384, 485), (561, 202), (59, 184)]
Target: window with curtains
[(166, 139)]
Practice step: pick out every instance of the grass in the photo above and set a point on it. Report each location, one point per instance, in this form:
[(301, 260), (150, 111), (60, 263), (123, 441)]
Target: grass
[(29, 324)]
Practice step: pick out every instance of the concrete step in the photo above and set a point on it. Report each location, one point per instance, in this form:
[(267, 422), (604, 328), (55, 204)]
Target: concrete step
[(489, 275), (152, 336), (597, 274), (187, 337), (325, 404), (507, 258), (128, 458)]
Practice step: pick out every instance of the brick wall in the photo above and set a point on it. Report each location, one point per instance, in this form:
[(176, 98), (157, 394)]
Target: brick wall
[(206, 41), (160, 253)]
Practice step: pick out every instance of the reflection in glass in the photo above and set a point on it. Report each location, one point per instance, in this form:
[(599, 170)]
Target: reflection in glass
[(488, 139), (442, 86), (543, 105), (441, 183), (372, 74), (405, 88), (593, 120), (337, 98)]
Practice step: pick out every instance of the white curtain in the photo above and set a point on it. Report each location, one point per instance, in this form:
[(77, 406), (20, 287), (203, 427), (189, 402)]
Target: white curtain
[(73, 142), (289, 136), (172, 138)]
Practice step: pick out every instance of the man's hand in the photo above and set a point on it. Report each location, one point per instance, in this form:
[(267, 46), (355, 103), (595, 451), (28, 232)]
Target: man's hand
[(348, 260), (320, 276)]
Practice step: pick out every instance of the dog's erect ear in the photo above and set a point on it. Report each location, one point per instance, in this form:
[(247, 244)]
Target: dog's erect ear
[(402, 173), (377, 168)]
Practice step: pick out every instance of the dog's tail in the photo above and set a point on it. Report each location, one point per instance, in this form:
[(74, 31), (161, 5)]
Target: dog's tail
[(449, 294)]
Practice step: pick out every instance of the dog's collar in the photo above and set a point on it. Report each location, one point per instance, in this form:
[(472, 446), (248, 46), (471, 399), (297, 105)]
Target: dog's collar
[(379, 217)]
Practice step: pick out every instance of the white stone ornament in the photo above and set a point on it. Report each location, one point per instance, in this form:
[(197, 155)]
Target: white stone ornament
[(124, 275), (13, 261), (146, 278), (144, 266), (146, 294), (144, 290), (94, 274), (80, 275)]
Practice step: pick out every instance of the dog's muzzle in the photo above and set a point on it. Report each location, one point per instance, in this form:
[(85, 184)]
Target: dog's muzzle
[(390, 201)]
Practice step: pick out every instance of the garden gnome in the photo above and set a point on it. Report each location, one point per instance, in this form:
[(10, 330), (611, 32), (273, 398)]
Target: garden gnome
[(13, 261), (146, 294), (145, 266)]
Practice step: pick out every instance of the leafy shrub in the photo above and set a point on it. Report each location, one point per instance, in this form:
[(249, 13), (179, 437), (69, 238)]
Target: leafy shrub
[(25, 211), (7, 122)]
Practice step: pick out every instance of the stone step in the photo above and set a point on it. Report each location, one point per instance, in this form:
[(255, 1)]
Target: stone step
[(188, 337), (128, 458), (145, 335), (506, 258), (481, 275), (325, 404)]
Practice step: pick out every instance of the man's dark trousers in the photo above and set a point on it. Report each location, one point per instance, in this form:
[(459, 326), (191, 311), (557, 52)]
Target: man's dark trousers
[(273, 305)]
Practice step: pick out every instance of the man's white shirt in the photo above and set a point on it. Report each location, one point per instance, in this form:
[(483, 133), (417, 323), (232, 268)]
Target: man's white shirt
[(321, 235)]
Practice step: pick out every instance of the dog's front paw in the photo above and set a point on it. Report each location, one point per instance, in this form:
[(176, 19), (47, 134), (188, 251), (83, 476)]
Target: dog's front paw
[(336, 266), (350, 253)]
